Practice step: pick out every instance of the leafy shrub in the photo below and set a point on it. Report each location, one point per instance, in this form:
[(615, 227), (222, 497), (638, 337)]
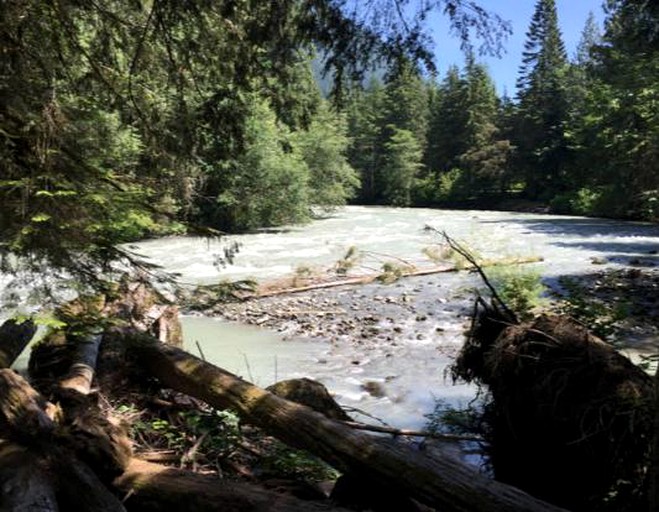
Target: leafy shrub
[(521, 290)]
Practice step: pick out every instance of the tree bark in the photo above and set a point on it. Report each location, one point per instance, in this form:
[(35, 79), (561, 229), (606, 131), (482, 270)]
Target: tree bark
[(446, 485), (25, 485), (14, 337), (81, 373), (148, 487), (29, 419)]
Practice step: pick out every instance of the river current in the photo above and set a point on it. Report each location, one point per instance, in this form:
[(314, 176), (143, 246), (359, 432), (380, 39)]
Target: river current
[(408, 367), (411, 369)]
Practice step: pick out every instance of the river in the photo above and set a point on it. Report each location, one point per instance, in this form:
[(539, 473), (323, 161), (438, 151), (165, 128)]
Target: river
[(395, 370), (382, 349)]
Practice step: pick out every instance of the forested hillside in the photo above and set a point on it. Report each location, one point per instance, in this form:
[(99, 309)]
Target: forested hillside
[(580, 134), (119, 123)]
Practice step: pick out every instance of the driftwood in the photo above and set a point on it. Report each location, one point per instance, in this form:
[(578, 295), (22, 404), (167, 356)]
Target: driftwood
[(411, 433), (14, 337), (265, 291), (147, 487), (447, 485), (45, 456)]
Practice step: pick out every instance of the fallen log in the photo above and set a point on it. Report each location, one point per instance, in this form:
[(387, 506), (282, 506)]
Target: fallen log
[(14, 337), (83, 365), (147, 486), (45, 457), (571, 420), (446, 485), (25, 416), (265, 291), (25, 484)]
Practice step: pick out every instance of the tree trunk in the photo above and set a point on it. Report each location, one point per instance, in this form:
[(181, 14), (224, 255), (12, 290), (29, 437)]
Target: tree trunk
[(14, 337), (25, 485), (50, 448), (148, 487), (446, 485), (81, 373)]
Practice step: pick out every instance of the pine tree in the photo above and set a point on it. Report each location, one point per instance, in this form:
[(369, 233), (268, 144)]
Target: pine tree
[(485, 159), (400, 166), (620, 132), (365, 122), (448, 120), (540, 137)]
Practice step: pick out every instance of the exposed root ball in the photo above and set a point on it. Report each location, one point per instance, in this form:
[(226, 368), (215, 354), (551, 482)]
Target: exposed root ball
[(570, 419)]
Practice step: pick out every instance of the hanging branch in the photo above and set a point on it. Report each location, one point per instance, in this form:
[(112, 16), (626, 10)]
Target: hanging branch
[(462, 251)]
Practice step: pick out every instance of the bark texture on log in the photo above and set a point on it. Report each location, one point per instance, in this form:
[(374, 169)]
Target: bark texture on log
[(25, 485), (14, 337), (447, 485), (24, 414), (81, 373), (147, 486)]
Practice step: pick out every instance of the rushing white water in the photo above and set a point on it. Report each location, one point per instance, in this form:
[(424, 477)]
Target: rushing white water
[(568, 244), (411, 369)]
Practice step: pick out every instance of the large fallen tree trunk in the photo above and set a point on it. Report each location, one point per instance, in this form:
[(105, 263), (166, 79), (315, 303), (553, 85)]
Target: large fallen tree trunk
[(149, 487), (570, 419), (45, 461), (446, 485)]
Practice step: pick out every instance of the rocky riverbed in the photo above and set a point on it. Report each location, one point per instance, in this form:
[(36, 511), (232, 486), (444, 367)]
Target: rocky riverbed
[(421, 310), (429, 310)]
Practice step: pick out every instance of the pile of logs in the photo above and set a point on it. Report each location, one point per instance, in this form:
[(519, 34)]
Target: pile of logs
[(61, 451)]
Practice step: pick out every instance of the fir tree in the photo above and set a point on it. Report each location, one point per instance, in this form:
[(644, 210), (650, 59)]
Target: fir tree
[(541, 93)]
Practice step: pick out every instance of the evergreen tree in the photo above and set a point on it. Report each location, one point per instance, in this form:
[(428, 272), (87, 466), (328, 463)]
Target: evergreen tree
[(485, 159), (448, 121), (323, 146), (365, 121), (540, 138), (269, 181), (400, 166), (620, 132), (580, 83)]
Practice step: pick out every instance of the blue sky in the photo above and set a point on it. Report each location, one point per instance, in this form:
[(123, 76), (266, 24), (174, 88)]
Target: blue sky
[(572, 16)]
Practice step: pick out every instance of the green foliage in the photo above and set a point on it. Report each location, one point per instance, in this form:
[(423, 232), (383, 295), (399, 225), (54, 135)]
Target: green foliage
[(583, 201), (216, 433), (323, 147), (540, 136), (268, 184), (521, 290), (285, 462), (400, 166), (448, 419)]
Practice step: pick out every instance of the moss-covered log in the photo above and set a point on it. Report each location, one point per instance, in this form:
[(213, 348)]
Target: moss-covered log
[(446, 485)]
